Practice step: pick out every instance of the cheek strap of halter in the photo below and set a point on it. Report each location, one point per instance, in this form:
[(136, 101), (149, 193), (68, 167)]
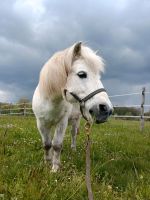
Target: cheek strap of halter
[(82, 101)]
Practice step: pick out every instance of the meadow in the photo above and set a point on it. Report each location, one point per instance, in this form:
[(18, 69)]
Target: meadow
[(120, 163)]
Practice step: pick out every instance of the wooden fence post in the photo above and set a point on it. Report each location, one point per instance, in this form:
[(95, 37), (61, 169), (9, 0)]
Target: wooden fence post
[(10, 109), (142, 110), (24, 109)]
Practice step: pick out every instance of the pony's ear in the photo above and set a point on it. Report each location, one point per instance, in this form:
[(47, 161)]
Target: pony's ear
[(77, 50)]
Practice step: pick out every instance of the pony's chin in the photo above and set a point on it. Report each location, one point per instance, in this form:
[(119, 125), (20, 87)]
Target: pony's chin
[(101, 119), (98, 120), (92, 119)]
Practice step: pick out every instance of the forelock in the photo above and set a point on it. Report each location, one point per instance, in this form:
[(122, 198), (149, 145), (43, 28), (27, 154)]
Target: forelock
[(95, 62)]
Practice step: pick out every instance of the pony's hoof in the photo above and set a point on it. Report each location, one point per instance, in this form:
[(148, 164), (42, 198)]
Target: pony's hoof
[(55, 168)]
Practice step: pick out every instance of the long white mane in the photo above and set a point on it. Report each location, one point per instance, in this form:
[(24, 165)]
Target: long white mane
[(54, 73)]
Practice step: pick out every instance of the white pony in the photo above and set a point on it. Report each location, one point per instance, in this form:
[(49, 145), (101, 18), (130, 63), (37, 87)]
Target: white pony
[(69, 83)]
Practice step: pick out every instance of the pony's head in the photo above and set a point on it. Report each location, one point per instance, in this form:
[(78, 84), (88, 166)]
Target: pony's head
[(76, 72), (83, 84)]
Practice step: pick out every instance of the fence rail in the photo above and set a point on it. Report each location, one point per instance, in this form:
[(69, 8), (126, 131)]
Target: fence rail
[(129, 106), (130, 116)]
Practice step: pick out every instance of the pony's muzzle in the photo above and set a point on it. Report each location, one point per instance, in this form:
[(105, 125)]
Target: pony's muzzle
[(100, 113)]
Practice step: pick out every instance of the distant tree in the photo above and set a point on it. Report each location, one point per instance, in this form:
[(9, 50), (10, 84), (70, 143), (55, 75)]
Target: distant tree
[(147, 113), (23, 100), (4, 105), (126, 111)]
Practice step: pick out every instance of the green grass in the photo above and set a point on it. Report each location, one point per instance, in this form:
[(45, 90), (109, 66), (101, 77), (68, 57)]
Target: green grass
[(120, 165)]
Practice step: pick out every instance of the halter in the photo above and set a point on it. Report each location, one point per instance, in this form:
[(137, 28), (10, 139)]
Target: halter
[(82, 101)]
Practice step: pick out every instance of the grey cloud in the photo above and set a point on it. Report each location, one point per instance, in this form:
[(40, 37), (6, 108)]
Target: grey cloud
[(119, 30)]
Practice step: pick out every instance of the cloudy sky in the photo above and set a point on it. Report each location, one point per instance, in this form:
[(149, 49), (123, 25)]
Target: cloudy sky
[(32, 30)]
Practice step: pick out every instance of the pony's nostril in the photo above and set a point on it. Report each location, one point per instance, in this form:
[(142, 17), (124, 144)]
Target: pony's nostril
[(103, 108), (91, 111)]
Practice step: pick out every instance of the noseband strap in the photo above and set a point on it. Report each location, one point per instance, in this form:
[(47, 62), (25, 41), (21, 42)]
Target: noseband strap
[(82, 101)]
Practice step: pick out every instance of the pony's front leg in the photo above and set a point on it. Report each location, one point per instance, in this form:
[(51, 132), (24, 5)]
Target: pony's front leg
[(74, 132), (46, 139), (57, 143)]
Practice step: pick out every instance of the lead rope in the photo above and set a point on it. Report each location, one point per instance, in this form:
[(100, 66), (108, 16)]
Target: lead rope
[(88, 161)]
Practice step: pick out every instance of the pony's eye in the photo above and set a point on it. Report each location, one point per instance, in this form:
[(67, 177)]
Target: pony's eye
[(82, 74)]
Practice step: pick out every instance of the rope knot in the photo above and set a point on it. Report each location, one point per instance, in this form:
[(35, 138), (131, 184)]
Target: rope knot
[(87, 128)]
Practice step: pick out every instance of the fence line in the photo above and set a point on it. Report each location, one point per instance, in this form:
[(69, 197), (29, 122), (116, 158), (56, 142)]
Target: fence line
[(6, 114), (128, 94), (16, 104), (121, 95), (115, 106), (26, 107), (114, 116), (129, 106), (22, 103), (130, 116), (6, 109)]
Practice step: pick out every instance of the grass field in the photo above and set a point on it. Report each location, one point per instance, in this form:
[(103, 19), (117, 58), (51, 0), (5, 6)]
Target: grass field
[(120, 167)]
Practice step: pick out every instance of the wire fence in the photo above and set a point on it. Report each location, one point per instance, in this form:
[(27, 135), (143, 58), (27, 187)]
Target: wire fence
[(128, 94)]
